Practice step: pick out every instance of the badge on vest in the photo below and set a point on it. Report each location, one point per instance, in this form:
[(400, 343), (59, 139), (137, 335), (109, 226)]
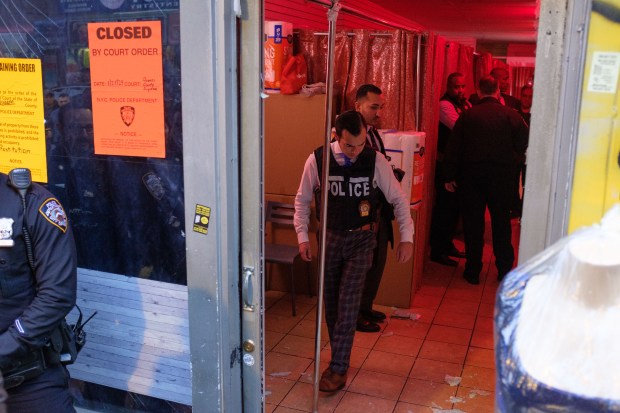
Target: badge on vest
[(6, 232), (53, 212), (364, 208)]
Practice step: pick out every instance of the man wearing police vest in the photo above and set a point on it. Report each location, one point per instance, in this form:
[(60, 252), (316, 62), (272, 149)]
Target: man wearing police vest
[(37, 289), (357, 177)]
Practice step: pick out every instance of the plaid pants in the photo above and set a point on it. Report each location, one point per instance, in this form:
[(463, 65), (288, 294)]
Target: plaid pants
[(348, 258)]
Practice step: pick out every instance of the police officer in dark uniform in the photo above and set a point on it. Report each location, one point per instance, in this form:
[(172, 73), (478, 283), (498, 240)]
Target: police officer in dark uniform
[(480, 161), (36, 293)]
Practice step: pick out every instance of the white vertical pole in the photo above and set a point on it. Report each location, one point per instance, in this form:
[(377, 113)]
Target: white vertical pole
[(332, 15)]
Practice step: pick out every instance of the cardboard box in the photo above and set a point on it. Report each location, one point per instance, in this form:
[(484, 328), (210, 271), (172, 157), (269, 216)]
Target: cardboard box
[(400, 281)]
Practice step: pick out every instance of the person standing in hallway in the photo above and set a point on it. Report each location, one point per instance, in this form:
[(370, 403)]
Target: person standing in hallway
[(503, 77), (446, 210), (369, 102), (480, 163), (357, 177)]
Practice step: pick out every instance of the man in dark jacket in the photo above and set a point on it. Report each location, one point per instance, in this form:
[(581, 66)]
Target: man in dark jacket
[(480, 161), (503, 77)]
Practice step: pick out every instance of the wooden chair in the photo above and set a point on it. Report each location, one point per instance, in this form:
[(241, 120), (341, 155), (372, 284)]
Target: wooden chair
[(282, 214)]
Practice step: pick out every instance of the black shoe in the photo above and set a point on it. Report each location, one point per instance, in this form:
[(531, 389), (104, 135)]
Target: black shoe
[(502, 271), (444, 260), (366, 326), (453, 252), (471, 278), (372, 315)]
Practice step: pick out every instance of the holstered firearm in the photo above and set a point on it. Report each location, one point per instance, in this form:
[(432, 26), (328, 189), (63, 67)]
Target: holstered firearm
[(64, 344), (25, 368)]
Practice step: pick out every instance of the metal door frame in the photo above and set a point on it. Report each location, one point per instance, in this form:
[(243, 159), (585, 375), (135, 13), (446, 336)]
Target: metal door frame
[(252, 196), (211, 173), (560, 60)]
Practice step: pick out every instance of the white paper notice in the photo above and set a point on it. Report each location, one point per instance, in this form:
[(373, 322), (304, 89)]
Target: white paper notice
[(604, 72)]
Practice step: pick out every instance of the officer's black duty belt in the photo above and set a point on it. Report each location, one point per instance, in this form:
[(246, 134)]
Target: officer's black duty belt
[(28, 367), (368, 227)]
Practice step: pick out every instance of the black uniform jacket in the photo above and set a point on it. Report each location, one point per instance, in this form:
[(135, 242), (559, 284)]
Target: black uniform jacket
[(487, 133), (32, 305)]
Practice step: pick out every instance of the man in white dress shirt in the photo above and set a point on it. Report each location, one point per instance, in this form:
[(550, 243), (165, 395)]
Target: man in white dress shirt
[(357, 177)]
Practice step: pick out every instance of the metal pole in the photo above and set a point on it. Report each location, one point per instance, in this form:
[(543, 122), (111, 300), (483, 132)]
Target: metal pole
[(332, 15), (417, 83)]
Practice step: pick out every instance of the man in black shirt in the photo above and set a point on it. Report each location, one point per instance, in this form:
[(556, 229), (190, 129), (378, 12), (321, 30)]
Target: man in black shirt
[(503, 77)]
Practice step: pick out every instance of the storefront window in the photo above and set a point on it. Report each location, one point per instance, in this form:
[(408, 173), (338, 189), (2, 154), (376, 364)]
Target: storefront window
[(118, 174), (126, 209)]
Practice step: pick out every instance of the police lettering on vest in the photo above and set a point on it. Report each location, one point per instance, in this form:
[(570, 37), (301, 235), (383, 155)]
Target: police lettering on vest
[(353, 195), (356, 187)]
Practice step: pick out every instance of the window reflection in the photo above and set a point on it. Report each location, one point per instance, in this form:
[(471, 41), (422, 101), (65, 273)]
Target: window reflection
[(127, 212)]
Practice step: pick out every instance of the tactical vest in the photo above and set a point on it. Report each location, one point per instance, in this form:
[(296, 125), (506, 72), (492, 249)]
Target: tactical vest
[(352, 197)]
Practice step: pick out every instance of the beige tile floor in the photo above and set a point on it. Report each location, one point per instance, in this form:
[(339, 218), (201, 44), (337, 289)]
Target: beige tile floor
[(402, 368)]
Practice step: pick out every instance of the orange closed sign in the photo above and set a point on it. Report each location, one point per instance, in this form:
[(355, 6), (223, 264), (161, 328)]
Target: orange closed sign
[(127, 88)]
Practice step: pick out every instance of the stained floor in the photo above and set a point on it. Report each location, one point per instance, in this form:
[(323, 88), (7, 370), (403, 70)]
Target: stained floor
[(441, 358)]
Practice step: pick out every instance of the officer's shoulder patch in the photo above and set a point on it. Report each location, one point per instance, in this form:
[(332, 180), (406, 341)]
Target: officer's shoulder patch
[(53, 212)]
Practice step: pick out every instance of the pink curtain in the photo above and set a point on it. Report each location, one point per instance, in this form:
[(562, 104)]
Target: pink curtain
[(314, 48), (386, 59)]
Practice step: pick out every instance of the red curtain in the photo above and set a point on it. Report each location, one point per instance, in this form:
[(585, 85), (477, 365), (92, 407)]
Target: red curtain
[(386, 59), (433, 69), (451, 62), (466, 67), (457, 58), (483, 63)]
